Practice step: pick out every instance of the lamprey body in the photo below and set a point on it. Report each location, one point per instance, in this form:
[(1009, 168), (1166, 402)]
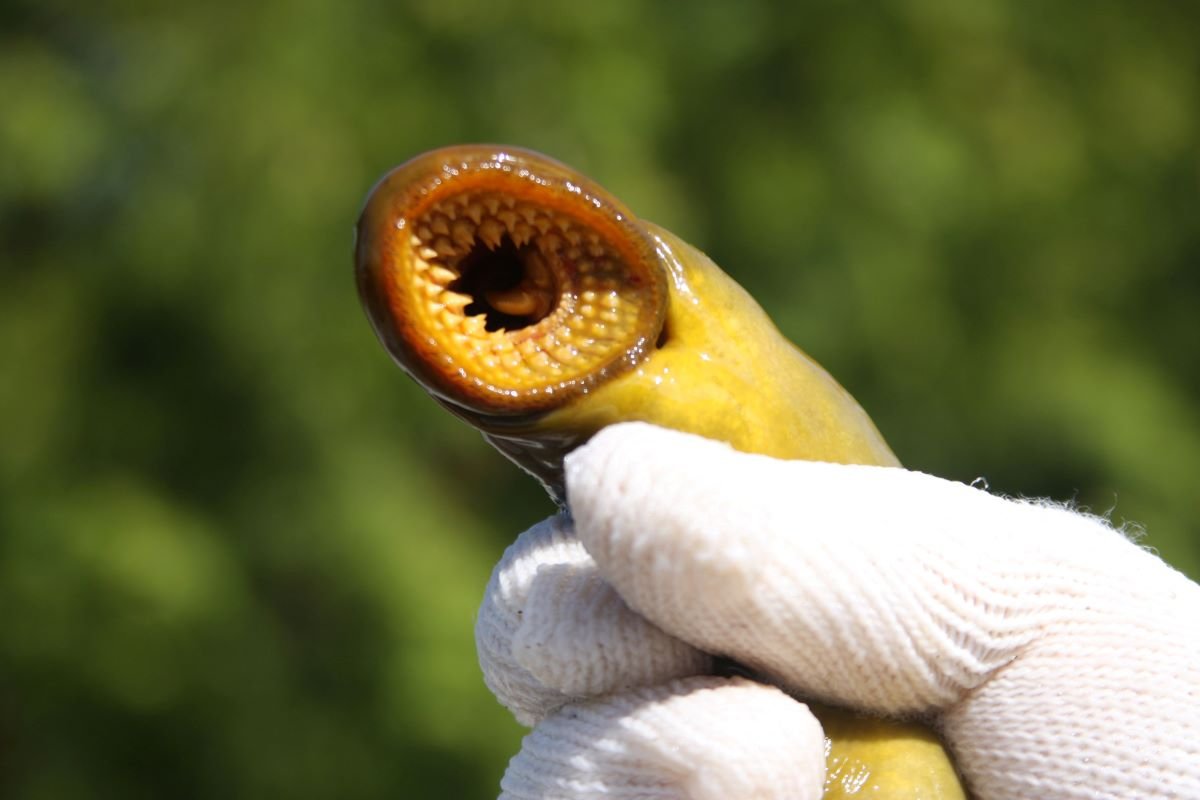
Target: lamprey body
[(531, 303)]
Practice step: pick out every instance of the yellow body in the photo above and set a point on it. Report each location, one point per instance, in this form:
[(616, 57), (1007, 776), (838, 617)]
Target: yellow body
[(532, 304), (870, 758), (723, 371)]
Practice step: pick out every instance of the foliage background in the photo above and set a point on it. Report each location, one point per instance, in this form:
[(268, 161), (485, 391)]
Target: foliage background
[(240, 554)]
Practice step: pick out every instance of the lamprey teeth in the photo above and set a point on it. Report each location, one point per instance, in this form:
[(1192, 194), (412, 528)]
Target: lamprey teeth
[(509, 218), (521, 233), (477, 275), (463, 233), (549, 243), (491, 231)]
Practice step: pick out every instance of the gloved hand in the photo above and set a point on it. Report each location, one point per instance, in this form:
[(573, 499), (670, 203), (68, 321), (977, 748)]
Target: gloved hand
[(1058, 658)]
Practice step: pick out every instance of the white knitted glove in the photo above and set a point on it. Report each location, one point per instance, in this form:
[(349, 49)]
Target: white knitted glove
[(1060, 659)]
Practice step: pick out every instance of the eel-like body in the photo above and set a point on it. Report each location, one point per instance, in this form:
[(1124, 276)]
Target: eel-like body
[(534, 305)]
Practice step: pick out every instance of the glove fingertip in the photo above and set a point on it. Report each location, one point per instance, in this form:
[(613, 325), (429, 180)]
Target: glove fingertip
[(694, 739), (551, 631)]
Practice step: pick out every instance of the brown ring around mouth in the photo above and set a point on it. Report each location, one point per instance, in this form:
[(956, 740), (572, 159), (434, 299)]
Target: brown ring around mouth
[(504, 283)]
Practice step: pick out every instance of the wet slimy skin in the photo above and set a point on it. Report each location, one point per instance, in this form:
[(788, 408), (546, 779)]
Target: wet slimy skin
[(531, 303)]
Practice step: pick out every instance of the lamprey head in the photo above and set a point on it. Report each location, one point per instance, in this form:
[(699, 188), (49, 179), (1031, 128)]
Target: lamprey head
[(534, 305), (504, 282)]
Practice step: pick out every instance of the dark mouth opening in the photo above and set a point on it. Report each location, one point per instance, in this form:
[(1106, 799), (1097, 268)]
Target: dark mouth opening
[(501, 282)]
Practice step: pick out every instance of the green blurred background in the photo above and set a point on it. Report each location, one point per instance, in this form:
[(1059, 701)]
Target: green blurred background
[(240, 553)]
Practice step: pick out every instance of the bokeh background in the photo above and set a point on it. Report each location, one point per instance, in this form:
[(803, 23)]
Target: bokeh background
[(240, 553)]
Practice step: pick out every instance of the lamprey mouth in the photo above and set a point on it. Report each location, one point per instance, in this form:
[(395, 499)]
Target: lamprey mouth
[(504, 282), (534, 305)]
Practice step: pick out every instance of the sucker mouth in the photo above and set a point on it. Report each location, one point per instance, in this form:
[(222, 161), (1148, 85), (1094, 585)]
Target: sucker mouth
[(504, 289), (520, 294), (488, 264)]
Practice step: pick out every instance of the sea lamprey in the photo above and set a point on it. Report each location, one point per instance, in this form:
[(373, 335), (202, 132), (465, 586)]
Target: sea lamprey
[(533, 304)]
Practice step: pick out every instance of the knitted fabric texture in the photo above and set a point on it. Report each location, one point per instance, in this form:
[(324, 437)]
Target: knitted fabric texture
[(695, 739), (552, 631), (1062, 660)]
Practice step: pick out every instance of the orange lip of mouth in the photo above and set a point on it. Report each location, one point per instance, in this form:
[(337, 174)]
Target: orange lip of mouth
[(504, 282)]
